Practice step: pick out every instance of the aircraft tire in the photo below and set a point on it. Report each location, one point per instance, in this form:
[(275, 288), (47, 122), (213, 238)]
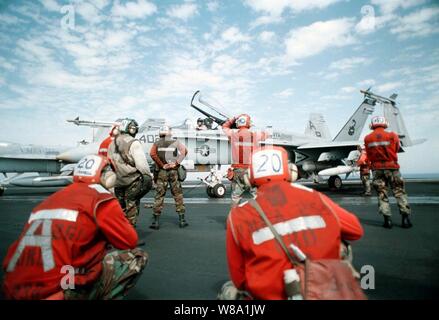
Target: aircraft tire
[(1, 190), (219, 190), (209, 192), (335, 182)]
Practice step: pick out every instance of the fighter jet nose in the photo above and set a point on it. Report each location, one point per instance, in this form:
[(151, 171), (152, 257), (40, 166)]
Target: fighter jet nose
[(76, 154), (66, 156)]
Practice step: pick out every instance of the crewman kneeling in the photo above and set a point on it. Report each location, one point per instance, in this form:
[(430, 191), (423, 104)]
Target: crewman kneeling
[(76, 244), (308, 227)]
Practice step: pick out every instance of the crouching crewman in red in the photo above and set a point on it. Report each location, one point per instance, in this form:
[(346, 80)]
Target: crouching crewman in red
[(79, 232), (308, 223)]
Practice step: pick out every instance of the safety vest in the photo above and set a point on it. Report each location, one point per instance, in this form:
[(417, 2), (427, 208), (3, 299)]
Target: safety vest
[(300, 216), (61, 237), (382, 149), (243, 142), (123, 162), (167, 149)]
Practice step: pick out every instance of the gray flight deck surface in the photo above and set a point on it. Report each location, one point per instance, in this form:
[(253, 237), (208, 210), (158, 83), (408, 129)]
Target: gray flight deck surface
[(191, 263)]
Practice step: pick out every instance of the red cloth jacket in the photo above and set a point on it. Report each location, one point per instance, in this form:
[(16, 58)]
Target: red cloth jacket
[(243, 141), (364, 163), (71, 227), (382, 149), (256, 262)]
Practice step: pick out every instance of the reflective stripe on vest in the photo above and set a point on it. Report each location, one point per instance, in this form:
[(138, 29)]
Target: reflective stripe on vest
[(245, 144), (288, 227), (378, 144), (166, 149), (50, 214)]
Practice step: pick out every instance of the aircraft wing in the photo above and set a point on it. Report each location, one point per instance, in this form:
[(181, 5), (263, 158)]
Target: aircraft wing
[(331, 145), (331, 151), (205, 134)]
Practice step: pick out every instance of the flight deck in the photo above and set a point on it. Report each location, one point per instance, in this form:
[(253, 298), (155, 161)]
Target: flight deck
[(190, 263)]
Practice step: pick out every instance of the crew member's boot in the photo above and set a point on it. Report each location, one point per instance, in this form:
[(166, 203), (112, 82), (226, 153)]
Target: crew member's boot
[(387, 222), (406, 223), (183, 222), (155, 222)]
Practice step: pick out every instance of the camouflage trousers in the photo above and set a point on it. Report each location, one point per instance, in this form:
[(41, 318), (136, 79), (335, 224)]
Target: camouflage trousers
[(382, 179), (129, 199), (365, 179), (240, 184), (165, 178), (229, 292), (120, 272)]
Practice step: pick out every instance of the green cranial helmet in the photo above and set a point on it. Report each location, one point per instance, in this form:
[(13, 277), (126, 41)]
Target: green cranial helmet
[(129, 126)]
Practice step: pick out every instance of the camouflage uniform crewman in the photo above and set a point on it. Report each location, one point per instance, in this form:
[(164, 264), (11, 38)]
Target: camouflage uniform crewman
[(364, 164), (243, 141), (168, 154), (134, 178), (382, 148)]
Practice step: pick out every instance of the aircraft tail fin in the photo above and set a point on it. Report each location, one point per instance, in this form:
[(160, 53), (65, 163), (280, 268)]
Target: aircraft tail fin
[(317, 127), (152, 123), (393, 96), (351, 131), (396, 124)]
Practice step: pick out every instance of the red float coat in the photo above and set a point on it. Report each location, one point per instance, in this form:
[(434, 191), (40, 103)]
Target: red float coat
[(363, 163), (103, 148), (71, 227), (303, 217), (382, 149), (243, 141)]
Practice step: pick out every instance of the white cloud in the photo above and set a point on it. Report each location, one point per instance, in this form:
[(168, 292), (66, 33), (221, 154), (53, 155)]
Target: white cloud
[(418, 23), (267, 36), (33, 50), (348, 89), (389, 6), (4, 64), (130, 101), (51, 5), (88, 12), (233, 35), (389, 86), (277, 7), (349, 63), (134, 9), (183, 12), (266, 19), (366, 83), (9, 19), (212, 6), (317, 37), (372, 23), (117, 38), (284, 94)]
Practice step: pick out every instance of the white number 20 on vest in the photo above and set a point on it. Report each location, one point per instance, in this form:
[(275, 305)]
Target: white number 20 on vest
[(267, 163)]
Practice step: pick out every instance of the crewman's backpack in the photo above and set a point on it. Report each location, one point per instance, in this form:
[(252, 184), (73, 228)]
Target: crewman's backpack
[(321, 279)]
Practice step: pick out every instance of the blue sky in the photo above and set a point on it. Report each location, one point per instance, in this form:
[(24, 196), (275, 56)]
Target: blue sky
[(278, 60)]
